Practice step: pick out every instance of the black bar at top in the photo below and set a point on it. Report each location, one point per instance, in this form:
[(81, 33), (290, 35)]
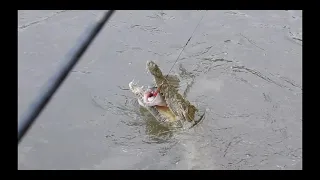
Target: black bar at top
[(57, 79)]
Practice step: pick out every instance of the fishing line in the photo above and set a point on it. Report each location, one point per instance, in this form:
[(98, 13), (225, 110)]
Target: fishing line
[(185, 45)]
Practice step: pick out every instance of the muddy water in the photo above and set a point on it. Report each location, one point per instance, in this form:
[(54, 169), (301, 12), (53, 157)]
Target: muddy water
[(243, 67)]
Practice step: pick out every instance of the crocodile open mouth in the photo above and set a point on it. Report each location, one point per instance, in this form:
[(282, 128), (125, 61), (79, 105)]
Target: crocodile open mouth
[(153, 98)]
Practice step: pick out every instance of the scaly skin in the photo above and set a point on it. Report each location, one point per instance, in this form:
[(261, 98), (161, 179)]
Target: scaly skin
[(181, 107)]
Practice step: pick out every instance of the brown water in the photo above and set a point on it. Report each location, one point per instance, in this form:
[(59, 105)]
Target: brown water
[(247, 70)]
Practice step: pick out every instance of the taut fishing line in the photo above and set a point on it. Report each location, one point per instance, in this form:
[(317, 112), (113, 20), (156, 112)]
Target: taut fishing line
[(186, 44)]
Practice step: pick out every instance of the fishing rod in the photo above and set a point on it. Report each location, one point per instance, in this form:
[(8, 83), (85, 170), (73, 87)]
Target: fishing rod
[(57, 79)]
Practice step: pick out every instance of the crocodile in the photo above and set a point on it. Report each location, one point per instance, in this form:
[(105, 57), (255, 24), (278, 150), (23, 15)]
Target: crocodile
[(179, 110), (180, 106)]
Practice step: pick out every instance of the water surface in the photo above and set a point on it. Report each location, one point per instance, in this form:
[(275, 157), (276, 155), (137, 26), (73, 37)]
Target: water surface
[(243, 67)]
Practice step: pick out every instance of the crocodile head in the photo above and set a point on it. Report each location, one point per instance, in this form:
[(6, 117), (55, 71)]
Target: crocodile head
[(179, 108)]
